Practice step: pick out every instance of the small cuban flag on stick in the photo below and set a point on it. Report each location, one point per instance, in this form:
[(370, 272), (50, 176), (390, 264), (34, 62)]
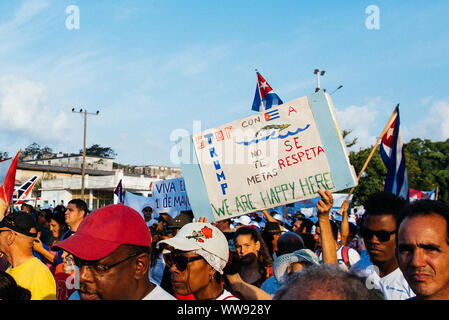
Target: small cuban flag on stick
[(265, 97), (392, 154), (119, 191)]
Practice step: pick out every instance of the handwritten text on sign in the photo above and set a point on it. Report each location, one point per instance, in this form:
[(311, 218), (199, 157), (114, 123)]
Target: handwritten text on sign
[(170, 195), (263, 161)]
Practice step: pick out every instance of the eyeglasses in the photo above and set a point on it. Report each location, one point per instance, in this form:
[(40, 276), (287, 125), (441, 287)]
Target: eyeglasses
[(99, 267), (5, 230), (178, 260), (382, 235)]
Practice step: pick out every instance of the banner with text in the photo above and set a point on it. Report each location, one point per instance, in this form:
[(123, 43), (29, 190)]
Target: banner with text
[(170, 196), (271, 159)]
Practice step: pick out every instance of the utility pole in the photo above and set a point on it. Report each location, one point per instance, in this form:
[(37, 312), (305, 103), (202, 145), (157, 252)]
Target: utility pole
[(83, 168)]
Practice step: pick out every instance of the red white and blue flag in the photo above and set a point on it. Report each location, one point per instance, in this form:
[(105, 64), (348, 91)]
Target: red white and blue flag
[(418, 194), (119, 191), (265, 97), (8, 169), (392, 154)]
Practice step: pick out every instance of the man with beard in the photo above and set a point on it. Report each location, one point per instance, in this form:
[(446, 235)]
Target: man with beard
[(423, 248), (253, 255), (379, 235)]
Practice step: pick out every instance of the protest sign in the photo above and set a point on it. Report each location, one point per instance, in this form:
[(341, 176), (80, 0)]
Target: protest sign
[(170, 196), (270, 159), (138, 202)]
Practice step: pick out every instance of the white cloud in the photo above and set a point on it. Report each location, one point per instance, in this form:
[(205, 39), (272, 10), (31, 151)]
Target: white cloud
[(25, 13), (23, 110), (360, 120), (435, 125)]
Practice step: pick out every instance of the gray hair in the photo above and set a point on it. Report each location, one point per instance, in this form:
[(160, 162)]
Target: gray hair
[(326, 282)]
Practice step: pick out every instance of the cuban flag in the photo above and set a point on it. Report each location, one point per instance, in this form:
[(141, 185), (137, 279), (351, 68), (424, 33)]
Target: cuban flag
[(119, 191), (265, 97), (392, 154), (417, 194), (8, 169)]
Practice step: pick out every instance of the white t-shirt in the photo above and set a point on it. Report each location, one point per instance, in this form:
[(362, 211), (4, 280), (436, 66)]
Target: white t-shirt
[(158, 294), (353, 257), (393, 285), (226, 295)]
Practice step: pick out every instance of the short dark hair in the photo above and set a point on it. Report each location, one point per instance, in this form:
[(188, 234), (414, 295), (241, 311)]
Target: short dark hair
[(10, 290), (425, 207), (326, 279), (307, 225), (309, 240), (80, 205), (133, 249), (384, 203), (289, 242)]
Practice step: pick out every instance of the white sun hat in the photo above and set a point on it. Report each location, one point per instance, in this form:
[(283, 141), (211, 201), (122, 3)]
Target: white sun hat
[(203, 239)]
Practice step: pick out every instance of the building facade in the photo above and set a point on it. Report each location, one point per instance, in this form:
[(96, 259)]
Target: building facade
[(60, 179)]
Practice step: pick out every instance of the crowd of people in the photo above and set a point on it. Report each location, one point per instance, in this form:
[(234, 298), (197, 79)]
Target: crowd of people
[(395, 251)]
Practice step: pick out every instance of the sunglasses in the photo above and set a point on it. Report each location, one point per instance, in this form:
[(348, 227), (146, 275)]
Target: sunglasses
[(382, 235), (178, 260)]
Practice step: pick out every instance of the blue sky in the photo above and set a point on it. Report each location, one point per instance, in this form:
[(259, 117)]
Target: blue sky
[(152, 67)]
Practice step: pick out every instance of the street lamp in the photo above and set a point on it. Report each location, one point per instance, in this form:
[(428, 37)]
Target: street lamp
[(339, 87), (83, 168), (318, 73)]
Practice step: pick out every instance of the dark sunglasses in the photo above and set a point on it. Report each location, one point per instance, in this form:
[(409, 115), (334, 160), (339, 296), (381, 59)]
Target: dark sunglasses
[(178, 260), (382, 235)]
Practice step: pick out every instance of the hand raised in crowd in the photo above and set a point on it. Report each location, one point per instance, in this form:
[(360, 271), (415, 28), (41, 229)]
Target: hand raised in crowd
[(37, 245), (344, 207), (202, 219), (344, 222), (325, 204)]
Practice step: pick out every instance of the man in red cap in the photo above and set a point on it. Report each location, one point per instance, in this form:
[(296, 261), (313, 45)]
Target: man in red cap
[(111, 249)]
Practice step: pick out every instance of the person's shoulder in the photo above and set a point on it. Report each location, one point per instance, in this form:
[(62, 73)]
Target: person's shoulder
[(353, 254), (226, 295), (158, 293), (270, 285), (67, 234)]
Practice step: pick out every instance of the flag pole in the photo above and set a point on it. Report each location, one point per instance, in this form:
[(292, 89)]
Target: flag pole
[(436, 196), (262, 105), (373, 150)]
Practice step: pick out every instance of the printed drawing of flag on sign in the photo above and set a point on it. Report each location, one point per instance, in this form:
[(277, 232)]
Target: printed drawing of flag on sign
[(271, 115), (265, 96), (392, 154), (8, 169)]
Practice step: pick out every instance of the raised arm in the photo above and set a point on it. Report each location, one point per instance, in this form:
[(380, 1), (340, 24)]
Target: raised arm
[(324, 206), (248, 291), (268, 216), (344, 222)]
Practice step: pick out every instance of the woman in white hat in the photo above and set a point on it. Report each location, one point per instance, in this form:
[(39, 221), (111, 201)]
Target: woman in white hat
[(198, 254)]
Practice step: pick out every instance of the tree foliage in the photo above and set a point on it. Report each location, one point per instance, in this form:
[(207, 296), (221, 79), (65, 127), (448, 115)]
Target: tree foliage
[(427, 166), (99, 151), (36, 151)]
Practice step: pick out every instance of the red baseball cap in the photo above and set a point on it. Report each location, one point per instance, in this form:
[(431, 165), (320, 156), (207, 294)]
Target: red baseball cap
[(104, 230)]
